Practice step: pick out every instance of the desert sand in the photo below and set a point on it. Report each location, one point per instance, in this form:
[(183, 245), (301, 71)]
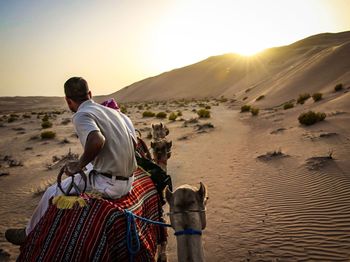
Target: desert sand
[(278, 190), (286, 206)]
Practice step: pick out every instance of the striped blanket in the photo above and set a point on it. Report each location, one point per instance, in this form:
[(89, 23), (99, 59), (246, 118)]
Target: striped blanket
[(97, 232)]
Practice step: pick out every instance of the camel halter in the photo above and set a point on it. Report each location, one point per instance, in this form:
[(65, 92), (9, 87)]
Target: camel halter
[(187, 231)]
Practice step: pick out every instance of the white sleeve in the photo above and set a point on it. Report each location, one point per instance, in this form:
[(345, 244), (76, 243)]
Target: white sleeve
[(84, 124)]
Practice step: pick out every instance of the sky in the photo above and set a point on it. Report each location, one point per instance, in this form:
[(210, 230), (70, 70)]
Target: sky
[(113, 44)]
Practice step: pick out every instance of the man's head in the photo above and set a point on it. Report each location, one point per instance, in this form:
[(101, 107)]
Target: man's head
[(77, 91)]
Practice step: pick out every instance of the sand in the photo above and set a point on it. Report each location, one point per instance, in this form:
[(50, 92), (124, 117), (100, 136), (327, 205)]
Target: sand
[(288, 208)]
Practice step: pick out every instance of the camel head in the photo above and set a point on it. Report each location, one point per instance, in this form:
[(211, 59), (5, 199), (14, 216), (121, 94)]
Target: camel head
[(161, 151), (159, 131), (187, 207)]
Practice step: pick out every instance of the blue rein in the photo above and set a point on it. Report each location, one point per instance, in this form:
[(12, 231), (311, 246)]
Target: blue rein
[(132, 237)]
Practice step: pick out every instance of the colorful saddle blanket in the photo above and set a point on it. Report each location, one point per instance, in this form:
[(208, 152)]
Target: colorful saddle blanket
[(97, 232)]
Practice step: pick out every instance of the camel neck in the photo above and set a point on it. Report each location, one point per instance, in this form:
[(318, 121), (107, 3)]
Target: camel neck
[(189, 248)]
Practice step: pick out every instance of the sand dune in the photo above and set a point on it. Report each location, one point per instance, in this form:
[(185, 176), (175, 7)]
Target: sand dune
[(314, 64)]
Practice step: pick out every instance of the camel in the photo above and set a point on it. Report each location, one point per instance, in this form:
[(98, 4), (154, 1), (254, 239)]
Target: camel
[(161, 152), (159, 131), (188, 219)]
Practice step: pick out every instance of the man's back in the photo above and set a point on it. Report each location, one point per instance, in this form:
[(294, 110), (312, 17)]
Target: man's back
[(117, 156)]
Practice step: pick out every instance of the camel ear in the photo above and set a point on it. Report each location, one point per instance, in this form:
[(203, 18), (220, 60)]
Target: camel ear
[(203, 192), (152, 126), (161, 124), (169, 144), (168, 194), (152, 144)]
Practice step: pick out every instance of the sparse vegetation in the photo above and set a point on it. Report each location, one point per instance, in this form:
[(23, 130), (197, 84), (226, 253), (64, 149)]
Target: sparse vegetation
[(123, 109), (26, 116), (288, 105), (65, 121), (311, 117), (223, 99), (148, 114), (179, 113), (207, 107), (338, 87), (260, 97), (302, 98), (172, 116), (161, 115), (48, 135), (254, 111), (46, 124), (203, 113), (317, 97), (45, 118), (11, 119), (245, 108), (245, 98)]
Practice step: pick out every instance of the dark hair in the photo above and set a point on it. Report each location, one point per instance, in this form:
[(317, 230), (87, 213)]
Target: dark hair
[(77, 89)]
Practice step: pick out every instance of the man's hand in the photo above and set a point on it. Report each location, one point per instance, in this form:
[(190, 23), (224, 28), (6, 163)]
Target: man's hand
[(72, 167)]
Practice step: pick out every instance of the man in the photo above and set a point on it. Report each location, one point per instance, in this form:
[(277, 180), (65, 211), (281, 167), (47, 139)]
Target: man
[(107, 144)]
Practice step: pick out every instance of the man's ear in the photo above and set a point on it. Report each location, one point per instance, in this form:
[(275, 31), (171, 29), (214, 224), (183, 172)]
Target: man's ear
[(90, 94)]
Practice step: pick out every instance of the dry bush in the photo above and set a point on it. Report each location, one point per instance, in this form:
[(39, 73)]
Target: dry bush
[(311, 117), (317, 97), (245, 108), (148, 114), (172, 116), (203, 113), (338, 87), (254, 111), (46, 124), (302, 98), (161, 115), (48, 135), (288, 105)]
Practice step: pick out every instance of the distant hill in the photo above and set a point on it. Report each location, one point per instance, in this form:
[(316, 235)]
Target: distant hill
[(314, 64)]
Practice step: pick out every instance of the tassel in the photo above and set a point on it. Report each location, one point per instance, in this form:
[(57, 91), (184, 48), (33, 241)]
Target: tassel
[(68, 202)]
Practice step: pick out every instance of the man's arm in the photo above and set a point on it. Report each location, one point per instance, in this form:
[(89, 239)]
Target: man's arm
[(94, 143)]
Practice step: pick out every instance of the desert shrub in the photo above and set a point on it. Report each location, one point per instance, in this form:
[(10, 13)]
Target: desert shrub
[(148, 114), (46, 124), (65, 121), (161, 115), (260, 97), (45, 118), (338, 87), (26, 116), (172, 116), (48, 135), (302, 98), (317, 97), (288, 105), (311, 118), (11, 119), (245, 98), (179, 113), (203, 113), (140, 107), (245, 108), (207, 107), (123, 109), (254, 111), (223, 99)]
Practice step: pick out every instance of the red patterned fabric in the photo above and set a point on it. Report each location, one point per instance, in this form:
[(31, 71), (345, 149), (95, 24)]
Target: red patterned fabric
[(97, 232)]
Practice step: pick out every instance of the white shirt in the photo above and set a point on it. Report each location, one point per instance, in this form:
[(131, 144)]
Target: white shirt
[(117, 157)]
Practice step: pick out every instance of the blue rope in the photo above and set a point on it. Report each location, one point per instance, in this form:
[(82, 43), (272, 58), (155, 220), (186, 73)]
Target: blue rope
[(132, 237)]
